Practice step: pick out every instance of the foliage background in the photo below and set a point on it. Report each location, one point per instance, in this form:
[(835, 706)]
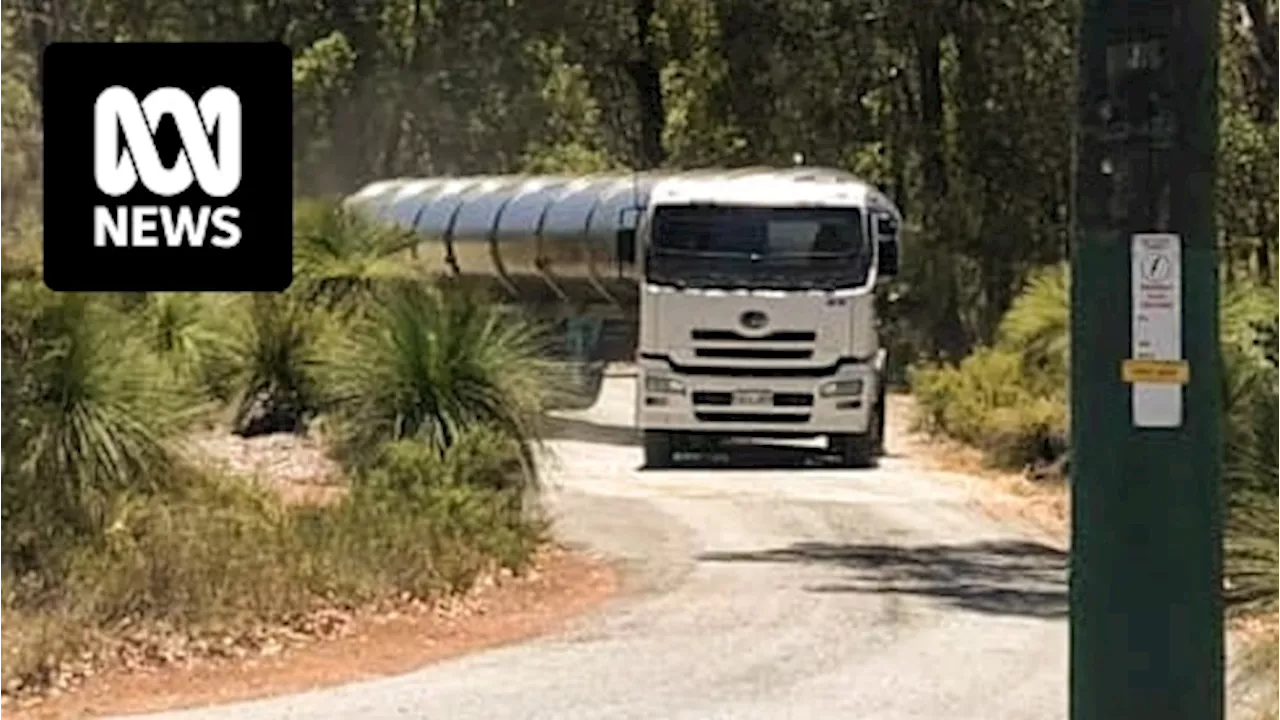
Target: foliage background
[(963, 109)]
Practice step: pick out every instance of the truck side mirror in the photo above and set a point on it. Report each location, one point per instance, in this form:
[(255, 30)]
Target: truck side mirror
[(886, 226), (625, 239), (887, 245)]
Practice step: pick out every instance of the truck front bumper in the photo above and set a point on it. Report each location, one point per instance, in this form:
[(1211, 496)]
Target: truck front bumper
[(756, 406)]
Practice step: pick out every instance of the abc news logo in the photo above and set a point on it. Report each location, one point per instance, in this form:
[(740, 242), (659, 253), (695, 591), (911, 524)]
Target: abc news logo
[(173, 167), (216, 170)]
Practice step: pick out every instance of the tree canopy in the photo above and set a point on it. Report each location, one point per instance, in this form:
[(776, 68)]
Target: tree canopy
[(962, 109)]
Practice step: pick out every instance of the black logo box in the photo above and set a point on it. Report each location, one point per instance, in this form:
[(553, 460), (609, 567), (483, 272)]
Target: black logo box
[(74, 74)]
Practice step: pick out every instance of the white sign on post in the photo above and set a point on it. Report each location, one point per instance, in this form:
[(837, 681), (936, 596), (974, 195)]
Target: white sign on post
[(1157, 328)]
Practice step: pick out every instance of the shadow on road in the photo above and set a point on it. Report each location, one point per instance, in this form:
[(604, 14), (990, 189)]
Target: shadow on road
[(758, 456), (1006, 578), (562, 428)]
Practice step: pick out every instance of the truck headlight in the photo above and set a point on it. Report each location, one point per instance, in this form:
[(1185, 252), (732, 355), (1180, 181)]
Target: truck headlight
[(660, 384), (841, 388)]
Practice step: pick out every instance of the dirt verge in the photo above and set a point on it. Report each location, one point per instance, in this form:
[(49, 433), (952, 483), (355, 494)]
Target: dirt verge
[(161, 668), (1042, 506), (561, 585)]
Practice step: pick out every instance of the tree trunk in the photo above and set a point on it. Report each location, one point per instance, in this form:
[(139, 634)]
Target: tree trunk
[(746, 55), (646, 77), (42, 33), (948, 333)]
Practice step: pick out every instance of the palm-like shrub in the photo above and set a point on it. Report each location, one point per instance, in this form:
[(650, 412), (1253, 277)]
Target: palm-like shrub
[(1250, 401), (1247, 324), (260, 353), (181, 329), (1252, 492), (87, 409), (267, 362), (340, 256), (427, 365), (1038, 326)]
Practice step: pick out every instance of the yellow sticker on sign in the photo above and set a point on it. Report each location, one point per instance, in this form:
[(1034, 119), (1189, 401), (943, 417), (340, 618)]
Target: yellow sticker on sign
[(1160, 372)]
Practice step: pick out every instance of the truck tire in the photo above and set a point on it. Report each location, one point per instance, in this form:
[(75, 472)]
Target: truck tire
[(657, 449), (861, 450), (855, 451)]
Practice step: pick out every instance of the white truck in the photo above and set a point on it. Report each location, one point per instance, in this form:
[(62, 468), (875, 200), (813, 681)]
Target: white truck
[(753, 289)]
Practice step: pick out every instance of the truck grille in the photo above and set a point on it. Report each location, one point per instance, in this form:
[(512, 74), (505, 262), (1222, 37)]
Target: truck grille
[(779, 399), (780, 345), (752, 353), (742, 417)]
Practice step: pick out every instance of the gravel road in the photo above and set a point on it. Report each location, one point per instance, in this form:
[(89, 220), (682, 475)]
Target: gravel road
[(780, 592)]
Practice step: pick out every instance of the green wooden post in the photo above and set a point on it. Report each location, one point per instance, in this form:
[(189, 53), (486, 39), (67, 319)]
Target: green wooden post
[(1146, 613)]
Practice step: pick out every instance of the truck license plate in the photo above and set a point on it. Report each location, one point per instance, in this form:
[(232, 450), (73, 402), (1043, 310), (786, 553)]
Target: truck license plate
[(753, 397)]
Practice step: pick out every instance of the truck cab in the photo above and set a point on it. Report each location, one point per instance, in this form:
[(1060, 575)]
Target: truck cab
[(757, 312)]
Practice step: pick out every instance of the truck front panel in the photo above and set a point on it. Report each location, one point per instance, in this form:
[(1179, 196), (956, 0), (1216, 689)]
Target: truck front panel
[(757, 363)]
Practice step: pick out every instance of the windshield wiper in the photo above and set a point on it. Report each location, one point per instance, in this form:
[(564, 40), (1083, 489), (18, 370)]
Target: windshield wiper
[(700, 253), (815, 254), (671, 281)]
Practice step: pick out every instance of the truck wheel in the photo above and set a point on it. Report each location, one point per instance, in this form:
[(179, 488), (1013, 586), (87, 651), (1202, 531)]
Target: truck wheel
[(657, 449), (855, 451)]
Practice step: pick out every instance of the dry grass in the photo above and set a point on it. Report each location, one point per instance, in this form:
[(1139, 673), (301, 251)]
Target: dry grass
[(226, 560), (1255, 692), (1044, 504), (388, 638)]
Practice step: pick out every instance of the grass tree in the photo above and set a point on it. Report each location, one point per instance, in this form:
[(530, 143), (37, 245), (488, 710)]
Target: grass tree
[(1038, 322), (267, 363), (181, 328), (87, 410), (427, 365), (1251, 543), (340, 256)]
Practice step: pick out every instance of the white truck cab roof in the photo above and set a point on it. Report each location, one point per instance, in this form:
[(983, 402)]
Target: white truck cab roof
[(791, 187), (763, 189)]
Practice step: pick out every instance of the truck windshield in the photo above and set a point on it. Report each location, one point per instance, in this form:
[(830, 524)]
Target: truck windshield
[(758, 247)]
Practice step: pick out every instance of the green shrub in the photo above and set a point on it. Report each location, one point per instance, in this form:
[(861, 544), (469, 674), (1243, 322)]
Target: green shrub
[(86, 413), (259, 353), (182, 329), (1247, 318), (423, 521), (1030, 432), (204, 553), (266, 364), (105, 525), (1253, 489), (986, 402), (340, 256), (20, 259), (1250, 550), (1037, 327), (1011, 399), (428, 366)]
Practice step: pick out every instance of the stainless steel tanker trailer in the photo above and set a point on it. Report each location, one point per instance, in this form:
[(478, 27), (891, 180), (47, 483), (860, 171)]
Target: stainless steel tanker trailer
[(752, 289)]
